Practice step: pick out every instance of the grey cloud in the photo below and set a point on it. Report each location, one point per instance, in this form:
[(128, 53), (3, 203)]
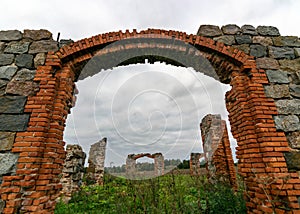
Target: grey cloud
[(92, 113)]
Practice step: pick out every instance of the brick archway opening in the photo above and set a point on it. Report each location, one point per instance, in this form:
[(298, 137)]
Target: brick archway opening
[(260, 150), (131, 171)]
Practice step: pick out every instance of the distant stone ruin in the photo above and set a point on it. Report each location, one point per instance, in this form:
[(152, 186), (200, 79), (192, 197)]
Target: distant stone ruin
[(96, 161), (72, 172), (131, 164), (216, 146), (195, 163)]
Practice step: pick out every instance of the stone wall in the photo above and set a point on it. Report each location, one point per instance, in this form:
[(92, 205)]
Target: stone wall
[(217, 151), (20, 55), (195, 163), (96, 161), (130, 166), (280, 57), (159, 164), (73, 171)]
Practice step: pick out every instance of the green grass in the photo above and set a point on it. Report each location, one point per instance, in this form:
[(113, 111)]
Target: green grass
[(165, 194)]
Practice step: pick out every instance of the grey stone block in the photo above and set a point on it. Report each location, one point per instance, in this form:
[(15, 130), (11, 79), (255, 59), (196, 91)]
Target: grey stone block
[(281, 53), (7, 72), (292, 160), (243, 39), (295, 90), (209, 30), (37, 34), (258, 50), (244, 47), (248, 29), (17, 47), (24, 74), (290, 65), (226, 39), (24, 60), (288, 106), (8, 163), (22, 83), (6, 59), (13, 122), (39, 59), (287, 123), (294, 139), (10, 35), (231, 29), (267, 63), (12, 104), (277, 76), (43, 46), (265, 41), (277, 91), (268, 31), (291, 41), (6, 140)]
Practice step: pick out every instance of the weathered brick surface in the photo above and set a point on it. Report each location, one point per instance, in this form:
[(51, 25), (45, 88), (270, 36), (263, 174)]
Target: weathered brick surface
[(34, 185)]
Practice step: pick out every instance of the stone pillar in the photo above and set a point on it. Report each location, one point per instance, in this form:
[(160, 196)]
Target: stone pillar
[(217, 151), (96, 161), (159, 164), (72, 172), (195, 163), (130, 166)]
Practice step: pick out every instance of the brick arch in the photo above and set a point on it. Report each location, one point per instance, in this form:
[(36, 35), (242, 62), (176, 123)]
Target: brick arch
[(260, 147)]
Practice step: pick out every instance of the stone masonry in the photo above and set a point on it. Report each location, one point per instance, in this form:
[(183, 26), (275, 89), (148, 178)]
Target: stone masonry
[(20, 56), (217, 151), (159, 164), (96, 161), (73, 170), (37, 84), (195, 163)]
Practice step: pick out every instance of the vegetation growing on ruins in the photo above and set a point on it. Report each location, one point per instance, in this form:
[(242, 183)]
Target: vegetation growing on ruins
[(165, 194)]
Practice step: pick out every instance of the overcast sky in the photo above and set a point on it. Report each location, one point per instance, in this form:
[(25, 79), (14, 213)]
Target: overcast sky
[(133, 106)]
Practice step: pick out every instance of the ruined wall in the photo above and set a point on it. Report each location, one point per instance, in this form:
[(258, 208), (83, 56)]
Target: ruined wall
[(217, 151), (267, 150), (280, 57), (260, 125), (159, 164), (195, 163), (130, 166), (20, 55), (72, 174), (96, 161)]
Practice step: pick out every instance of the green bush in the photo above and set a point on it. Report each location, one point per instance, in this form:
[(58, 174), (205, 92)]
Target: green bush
[(165, 194)]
